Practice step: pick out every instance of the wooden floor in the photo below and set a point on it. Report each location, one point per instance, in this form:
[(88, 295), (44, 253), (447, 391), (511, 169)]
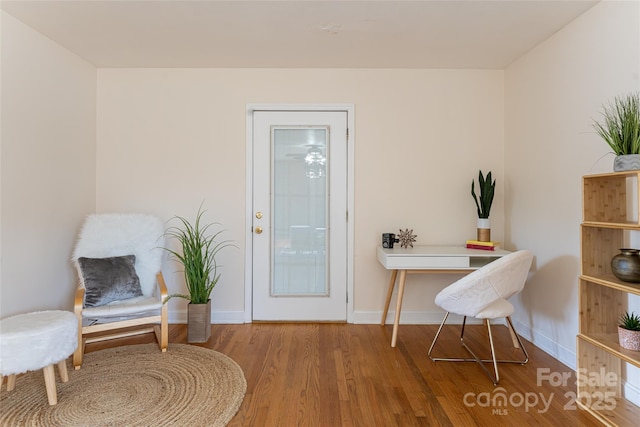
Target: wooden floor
[(333, 375)]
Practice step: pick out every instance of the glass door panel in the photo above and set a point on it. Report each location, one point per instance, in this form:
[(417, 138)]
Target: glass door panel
[(299, 206)]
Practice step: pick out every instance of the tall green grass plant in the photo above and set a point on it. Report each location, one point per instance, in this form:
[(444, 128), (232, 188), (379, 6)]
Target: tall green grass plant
[(620, 127), (198, 256)]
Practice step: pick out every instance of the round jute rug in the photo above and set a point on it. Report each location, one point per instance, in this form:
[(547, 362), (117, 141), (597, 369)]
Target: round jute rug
[(133, 386)]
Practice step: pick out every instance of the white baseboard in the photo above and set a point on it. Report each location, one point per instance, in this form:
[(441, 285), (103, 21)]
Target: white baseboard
[(631, 392), (408, 318), (359, 317), (217, 317), (552, 348), (630, 387)]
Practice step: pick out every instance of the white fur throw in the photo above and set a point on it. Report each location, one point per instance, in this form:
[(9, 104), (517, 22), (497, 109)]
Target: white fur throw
[(110, 235)]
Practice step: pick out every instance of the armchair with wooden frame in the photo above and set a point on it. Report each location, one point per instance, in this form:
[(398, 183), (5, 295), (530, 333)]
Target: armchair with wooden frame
[(121, 288)]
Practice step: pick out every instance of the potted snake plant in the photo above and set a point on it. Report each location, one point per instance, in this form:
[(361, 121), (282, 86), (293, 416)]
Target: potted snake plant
[(199, 248), (484, 201), (620, 129)]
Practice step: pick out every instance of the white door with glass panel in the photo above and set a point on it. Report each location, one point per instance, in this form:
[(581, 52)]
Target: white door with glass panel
[(299, 215)]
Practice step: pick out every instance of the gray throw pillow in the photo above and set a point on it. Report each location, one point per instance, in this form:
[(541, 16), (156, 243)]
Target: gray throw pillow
[(109, 279)]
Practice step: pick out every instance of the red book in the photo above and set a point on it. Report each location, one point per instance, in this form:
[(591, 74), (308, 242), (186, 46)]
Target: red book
[(482, 247)]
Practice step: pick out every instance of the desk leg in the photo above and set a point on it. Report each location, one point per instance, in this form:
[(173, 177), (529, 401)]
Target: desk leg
[(392, 283), (514, 339), (403, 276)]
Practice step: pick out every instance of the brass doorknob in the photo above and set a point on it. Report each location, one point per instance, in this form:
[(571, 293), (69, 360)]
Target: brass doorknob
[(258, 230)]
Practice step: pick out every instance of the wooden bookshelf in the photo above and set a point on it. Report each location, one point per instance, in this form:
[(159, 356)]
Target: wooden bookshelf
[(608, 217)]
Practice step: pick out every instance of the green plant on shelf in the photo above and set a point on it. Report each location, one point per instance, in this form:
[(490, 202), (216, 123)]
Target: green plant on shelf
[(620, 128), (630, 322)]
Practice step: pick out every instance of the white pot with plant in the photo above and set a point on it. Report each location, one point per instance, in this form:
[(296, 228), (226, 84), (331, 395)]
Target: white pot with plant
[(483, 204), (620, 129), (199, 249), (629, 331)]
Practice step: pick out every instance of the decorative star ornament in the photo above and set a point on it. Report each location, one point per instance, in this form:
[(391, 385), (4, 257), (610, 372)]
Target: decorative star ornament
[(406, 238)]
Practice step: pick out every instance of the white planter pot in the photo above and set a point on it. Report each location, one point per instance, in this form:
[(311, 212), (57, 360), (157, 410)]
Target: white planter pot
[(484, 230), (484, 223)]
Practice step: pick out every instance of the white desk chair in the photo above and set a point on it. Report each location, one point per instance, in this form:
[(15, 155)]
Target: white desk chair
[(483, 295)]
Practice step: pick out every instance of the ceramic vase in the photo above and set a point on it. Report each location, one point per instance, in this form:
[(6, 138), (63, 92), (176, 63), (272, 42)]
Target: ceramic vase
[(626, 265)]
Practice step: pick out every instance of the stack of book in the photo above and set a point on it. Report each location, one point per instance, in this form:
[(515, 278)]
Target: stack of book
[(485, 246)]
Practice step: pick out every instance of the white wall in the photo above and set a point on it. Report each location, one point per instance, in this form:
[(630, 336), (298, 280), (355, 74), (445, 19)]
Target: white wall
[(171, 138), (552, 96), (48, 161)]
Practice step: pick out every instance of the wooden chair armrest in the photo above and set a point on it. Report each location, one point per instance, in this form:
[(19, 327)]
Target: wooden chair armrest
[(79, 300), (162, 286)]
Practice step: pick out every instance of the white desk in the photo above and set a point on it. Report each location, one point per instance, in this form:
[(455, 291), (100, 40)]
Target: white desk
[(428, 259)]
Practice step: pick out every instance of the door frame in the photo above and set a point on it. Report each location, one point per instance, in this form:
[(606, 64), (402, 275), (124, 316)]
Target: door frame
[(248, 264)]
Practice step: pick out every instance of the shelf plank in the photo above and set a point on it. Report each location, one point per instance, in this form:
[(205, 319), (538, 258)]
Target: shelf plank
[(628, 225), (611, 281), (623, 174), (610, 344)]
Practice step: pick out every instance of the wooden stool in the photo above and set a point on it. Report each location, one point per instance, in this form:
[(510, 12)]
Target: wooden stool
[(38, 340)]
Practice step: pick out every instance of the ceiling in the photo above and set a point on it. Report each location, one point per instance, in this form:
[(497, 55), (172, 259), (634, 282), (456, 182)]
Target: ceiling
[(295, 34)]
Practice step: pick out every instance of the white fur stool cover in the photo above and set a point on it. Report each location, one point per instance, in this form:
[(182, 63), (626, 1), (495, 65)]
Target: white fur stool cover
[(38, 340)]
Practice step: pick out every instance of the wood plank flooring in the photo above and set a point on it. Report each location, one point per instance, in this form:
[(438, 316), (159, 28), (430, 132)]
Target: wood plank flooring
[(331, 375)]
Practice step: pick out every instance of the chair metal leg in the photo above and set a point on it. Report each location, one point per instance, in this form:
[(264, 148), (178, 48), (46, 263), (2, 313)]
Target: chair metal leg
[(493, 355), (449, 359), (464, 323), (495, 378), (433, 343), (515, 334)]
